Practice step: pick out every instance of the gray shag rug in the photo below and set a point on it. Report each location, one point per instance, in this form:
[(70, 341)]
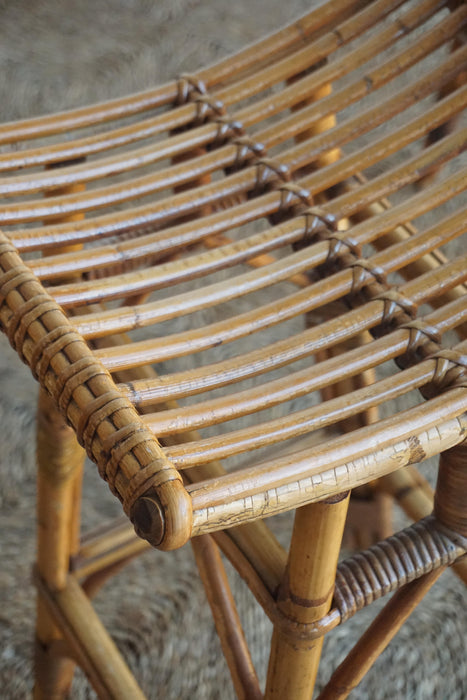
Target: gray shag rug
[(58, 54)]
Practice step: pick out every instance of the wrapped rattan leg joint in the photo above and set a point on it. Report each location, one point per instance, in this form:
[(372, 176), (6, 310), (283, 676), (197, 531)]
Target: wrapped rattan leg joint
[(382, 569), (127, 454), (390, 564), (379, 570), (305, 631)]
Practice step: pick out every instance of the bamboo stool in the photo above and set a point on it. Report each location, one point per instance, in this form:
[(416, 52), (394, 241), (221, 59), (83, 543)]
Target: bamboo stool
[(192, 165)]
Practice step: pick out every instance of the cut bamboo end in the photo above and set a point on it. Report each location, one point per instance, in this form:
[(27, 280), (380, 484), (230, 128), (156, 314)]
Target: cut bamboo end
[(163, 518)]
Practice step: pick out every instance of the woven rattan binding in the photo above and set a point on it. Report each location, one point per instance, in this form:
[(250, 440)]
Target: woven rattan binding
[(128, 456)]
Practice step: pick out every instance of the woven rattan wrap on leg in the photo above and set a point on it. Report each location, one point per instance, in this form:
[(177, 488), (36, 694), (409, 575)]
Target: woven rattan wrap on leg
[(241, 275)]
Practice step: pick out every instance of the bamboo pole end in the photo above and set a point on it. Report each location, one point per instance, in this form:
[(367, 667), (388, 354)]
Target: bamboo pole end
[(163, 519)]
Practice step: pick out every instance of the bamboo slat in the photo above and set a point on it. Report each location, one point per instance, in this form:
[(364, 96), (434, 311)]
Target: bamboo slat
[(346, 205), (186, 141), (299, 155), (331, 470), (85, 116)]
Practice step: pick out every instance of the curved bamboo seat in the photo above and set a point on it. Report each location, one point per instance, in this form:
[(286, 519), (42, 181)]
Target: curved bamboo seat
[(231, 263)]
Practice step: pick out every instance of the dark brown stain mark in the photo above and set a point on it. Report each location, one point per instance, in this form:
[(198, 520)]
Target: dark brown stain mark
[(417, 453)]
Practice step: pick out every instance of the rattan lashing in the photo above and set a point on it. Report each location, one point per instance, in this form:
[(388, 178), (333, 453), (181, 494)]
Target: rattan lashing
[(370, 286), (63, 364)]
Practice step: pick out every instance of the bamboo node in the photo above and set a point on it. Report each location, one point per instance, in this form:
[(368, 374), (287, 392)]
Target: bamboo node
[(305, 631)]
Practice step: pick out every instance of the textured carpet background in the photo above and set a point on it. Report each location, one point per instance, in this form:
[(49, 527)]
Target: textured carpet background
[(58, 54)]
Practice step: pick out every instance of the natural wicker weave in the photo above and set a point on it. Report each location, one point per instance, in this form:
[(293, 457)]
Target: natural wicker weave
[(230, 182)]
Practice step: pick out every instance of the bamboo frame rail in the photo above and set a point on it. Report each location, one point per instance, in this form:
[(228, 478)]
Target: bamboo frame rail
[(297, 234), (45, 338)]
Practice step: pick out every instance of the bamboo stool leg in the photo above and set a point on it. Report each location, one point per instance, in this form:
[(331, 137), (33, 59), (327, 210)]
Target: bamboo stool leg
[(305, 596), (60, 462), (450, 509), (64, 612), (90, 643), (226, 618), (66, 622), (450, 502)]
